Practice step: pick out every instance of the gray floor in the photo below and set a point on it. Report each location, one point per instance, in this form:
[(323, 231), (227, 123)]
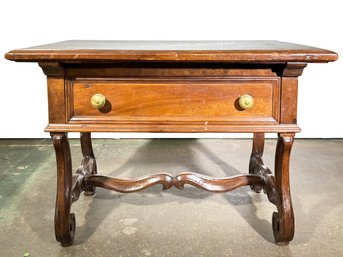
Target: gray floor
[(171, 223)]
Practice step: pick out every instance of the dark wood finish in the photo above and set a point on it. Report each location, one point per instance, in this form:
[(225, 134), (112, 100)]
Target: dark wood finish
[(56, 100), (88, 163), (289, 92), (203, 51), (173, 86), (256, 162), (183, 101), (257, 167), (293, 69), (170, 70), (283, 220), (167, 181), (195, 128), (64, 220), (217, 185), (276, 187), (54, 69), (130, 185), (69, 185)]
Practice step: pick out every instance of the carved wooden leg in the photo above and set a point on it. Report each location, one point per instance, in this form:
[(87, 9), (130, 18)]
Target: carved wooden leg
[(64, 220), (256, 162), (88, 163), (283, 220)]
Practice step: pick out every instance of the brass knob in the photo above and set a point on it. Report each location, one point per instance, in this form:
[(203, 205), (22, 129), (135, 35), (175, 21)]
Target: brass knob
[(98, 101), (246, 102)]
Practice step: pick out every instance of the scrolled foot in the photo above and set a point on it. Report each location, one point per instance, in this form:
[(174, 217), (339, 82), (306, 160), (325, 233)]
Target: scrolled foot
[(283, 234), (68, 238)]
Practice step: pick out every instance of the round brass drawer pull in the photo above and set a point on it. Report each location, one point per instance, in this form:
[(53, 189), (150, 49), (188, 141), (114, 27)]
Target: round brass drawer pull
[(98, 101), (246, 102)]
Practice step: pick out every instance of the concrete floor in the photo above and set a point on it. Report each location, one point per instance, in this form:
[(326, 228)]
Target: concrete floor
[(171, 223)]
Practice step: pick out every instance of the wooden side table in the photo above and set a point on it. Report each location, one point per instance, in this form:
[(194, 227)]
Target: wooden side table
[(172, 86)]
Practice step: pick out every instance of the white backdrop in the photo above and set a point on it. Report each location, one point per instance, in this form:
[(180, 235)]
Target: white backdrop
[(23, 103)]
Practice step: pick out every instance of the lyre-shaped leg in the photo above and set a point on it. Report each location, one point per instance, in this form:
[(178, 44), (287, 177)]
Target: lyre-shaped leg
[(283, 220), (64, 220), (88, 163)]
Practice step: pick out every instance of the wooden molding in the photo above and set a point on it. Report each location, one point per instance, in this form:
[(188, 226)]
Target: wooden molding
[(293, 69), (52, 68), (180, 128)]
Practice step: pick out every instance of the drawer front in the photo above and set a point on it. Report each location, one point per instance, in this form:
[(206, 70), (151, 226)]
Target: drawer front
[(183, 101)]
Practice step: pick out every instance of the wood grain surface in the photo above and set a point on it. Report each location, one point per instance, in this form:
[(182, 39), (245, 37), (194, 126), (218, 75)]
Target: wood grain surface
[(178, 101), (173, 86), (228, 51)]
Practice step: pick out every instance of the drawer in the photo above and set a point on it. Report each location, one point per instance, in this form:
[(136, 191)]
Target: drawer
[(174, 101)]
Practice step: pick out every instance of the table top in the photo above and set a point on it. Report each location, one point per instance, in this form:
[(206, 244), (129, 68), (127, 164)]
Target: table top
[(206, 51)]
